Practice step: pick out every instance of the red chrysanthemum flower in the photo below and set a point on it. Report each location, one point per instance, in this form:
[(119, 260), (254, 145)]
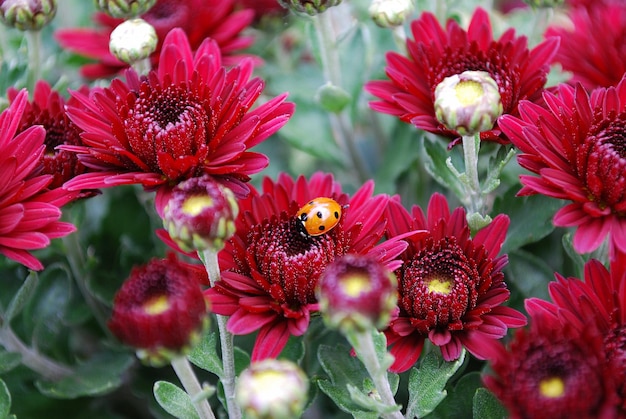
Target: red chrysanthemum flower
[(160, 309), (602, 30), (577, 146), (188, 118), (435, 54), (29, 210), (451, 286), (598, 302), (263, 8), (270, 268), (199, 19), (553, 370), (48, 110)]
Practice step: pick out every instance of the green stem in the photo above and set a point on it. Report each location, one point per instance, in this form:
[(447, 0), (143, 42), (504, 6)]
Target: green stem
[(33, 39), (37, 362), (211, 263), (366, 352), (142, 67), (474, 198), (188, 378), (343, 131)]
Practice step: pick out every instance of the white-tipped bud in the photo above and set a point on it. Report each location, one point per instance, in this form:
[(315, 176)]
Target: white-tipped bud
[(133, 40), (390, 13)]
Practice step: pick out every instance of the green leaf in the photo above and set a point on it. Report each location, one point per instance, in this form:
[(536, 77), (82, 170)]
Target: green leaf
[(530, 217), (529, 274), (460, 400), (23, 295), (403, 150), (436, 165), (487, 406), (99, 375), (5, 400), (427, 384), (294, 350), (204, 355), (344, 372), (9, 360), (174, 400)]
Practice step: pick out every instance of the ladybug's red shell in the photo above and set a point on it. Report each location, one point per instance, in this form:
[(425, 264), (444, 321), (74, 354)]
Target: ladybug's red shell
[(319, 215)]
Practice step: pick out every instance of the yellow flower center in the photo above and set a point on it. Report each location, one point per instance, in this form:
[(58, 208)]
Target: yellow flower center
[(194, 205), (439, 285), (355, 285), (156, 305), (552, 387), (468, 92)]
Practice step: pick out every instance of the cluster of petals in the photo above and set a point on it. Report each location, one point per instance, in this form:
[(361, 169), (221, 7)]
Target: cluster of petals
[(29, 209), (270, 269), (451, 286), (436, 53), (602, 29), (576, 146), (199, 19), (188, 118)]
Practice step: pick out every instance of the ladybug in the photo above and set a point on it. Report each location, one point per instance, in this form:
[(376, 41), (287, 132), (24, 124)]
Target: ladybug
[(319, 216)]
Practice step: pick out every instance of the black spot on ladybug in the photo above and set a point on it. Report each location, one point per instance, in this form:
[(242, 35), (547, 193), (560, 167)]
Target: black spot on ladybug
[(322, 228), (303, 217), (319, 215), (336, 215)]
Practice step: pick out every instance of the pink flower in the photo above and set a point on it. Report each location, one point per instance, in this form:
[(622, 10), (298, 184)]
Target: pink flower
[(29, 210), (451, 286), (199, 19), (270, 268), (576, 147)]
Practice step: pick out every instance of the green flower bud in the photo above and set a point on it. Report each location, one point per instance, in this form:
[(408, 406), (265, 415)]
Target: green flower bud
[(27, 15), (332, 98), (133, 40), (357, 293), (468, 103), (200, 214), (124, 8), (390, 13), (272, 389), (544, 3), (310, 7)]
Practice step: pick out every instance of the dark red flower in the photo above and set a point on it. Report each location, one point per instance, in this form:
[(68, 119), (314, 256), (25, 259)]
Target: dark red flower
[(160, 309), (29, 210), (263, 8), (598, 302), (437, 53), (602, 30), (270, 268), (48, 110), (451, 286), (188, 118), (199, 19), (577, 147), (553, 370)]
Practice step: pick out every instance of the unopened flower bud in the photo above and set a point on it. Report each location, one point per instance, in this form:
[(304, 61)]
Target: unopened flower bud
[(310, 7), (160, 310), (332, 98), (200, 214), (272, 389), (390, 13), (27, 15), (357, 293), (133, 40), (124, 8), (468, 103)]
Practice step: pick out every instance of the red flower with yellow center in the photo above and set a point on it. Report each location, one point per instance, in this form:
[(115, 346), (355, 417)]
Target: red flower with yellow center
[(270, 268), (199, 19), (577, 146), (451, 286), (188, 118), (436, 53)]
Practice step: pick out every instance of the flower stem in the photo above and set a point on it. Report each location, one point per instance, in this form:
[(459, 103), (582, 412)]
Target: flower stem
[(142, 67), (211, 263), (37, 362), (331, 65), (190, 382), (474, 197), (33, 39), (366, 352)]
